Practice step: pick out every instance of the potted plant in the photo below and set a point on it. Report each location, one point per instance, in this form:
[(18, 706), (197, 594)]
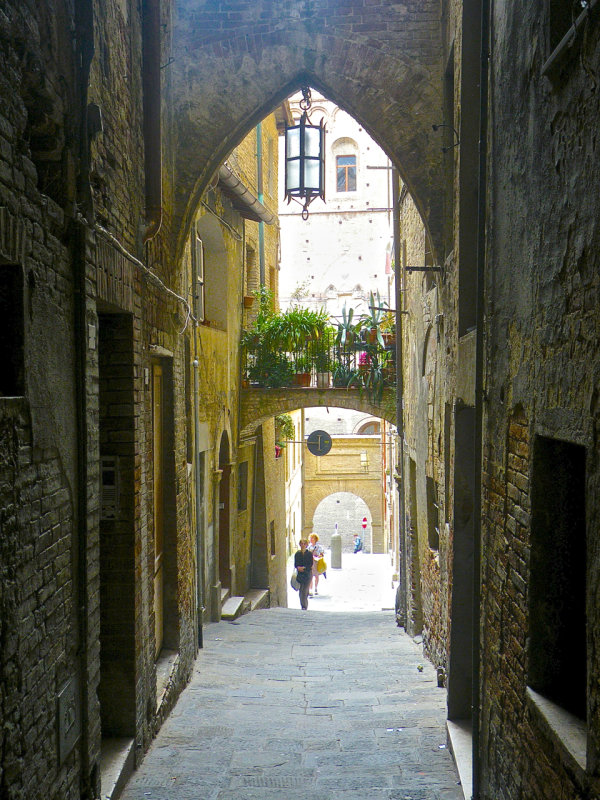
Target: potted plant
[(347, 329), (321, 356), (270, 370), (302, 368), (322, 364), (388, 328), (298, 326), (344, 376), (374, 377), (372, 321), (284, 430)]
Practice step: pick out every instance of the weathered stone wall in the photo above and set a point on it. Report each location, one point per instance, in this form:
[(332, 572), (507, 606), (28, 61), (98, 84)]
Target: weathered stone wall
[(41, 609), (427, 386), (542, 324)]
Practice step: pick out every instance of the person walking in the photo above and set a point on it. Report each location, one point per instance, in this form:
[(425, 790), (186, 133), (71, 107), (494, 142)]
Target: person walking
[(318, 551), (358, 545), (303, 562)]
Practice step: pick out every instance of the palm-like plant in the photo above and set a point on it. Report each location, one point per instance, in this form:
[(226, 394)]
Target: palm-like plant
[(347, 329), (372, 321)]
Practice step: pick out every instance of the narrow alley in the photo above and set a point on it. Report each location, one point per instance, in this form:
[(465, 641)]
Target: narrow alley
[(274, 269), (325, 705)]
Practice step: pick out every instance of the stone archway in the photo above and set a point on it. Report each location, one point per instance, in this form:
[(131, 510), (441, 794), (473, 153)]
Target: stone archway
[(342, 470), (347, 510), (380, 62), (259, 405)]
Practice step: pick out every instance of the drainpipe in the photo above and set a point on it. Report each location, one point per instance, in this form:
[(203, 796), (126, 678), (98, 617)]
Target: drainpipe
[(479, 392), (261, 198), (399, 395), (84, 21), (152, 126), (198, 478)]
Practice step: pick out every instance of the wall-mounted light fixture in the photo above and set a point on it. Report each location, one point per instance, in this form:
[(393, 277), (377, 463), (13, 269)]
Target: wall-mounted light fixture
[(305, 158), (364, 460)]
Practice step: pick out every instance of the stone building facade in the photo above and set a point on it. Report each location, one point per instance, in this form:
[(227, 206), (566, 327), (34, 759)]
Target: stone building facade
[(352, 467), (341, 253), (499, 407), (491, 119), (127, 497)]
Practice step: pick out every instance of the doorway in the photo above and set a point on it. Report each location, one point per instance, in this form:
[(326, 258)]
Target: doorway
[(158, 504), (461, 639), (117, 688), (166, 625)]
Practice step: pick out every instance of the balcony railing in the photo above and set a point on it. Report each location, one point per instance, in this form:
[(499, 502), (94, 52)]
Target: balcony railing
[(365, 363)]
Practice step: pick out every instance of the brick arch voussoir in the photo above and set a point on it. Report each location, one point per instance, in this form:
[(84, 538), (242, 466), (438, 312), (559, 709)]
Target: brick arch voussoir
[(259, 405), (232, 69)]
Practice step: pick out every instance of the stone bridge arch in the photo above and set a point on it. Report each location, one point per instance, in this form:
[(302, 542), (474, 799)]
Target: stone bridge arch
[(259, 405), (234, 63)]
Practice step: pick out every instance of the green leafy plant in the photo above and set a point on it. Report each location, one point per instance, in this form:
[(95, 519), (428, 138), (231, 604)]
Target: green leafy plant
[(374, 377), (269, 369), (297, 326), (388, 322), (344, 376), (302, 364), (284, 429), (301, 290), (347, 329), (372, 321), (321, 349)]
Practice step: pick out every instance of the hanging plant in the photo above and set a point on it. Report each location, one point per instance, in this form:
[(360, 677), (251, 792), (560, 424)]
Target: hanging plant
[(284, 429)]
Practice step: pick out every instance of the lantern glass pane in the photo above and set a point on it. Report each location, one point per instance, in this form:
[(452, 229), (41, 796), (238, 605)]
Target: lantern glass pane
[(292, 176), (312, 141), (311, 174), (293, 142)]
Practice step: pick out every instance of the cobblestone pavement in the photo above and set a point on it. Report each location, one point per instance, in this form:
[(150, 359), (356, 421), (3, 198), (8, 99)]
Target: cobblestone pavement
[(285, 703)]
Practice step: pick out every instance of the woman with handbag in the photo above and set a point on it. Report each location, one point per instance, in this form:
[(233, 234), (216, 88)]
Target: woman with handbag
[(303, 562), (319, 566)]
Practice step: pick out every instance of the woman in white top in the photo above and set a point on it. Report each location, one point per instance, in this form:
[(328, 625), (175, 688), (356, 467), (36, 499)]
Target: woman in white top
[(318, 551)]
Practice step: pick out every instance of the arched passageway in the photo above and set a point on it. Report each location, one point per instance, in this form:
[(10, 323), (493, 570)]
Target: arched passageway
[(234, 67), (258, 405), (346, 510)]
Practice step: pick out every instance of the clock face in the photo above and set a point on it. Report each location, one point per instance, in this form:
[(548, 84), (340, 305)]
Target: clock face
[(319, 443)]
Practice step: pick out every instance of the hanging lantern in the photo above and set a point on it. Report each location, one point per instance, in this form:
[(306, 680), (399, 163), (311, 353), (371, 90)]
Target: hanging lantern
[(305, 159)]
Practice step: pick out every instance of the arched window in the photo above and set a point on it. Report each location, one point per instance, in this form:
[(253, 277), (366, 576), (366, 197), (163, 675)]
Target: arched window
[(370, 428)]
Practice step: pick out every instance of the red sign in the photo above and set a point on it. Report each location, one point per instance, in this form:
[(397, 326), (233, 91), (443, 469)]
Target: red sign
[(364, 523)]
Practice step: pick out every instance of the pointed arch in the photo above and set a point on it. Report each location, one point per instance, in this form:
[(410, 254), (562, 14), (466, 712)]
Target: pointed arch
[(228, 74)]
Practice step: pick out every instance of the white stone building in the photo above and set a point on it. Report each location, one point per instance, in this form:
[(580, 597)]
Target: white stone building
[(343, 251)]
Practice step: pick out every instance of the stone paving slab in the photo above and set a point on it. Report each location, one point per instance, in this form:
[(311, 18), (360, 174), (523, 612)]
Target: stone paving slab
[(284, 703)]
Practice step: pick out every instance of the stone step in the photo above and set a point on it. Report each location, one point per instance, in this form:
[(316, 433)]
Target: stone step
[(232, 607), (257, 598), (117, 761)]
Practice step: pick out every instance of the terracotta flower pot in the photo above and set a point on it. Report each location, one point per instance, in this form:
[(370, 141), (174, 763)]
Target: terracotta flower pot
[(301, 379)]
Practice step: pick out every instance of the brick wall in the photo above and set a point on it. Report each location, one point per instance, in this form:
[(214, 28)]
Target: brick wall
[(39, 599)]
